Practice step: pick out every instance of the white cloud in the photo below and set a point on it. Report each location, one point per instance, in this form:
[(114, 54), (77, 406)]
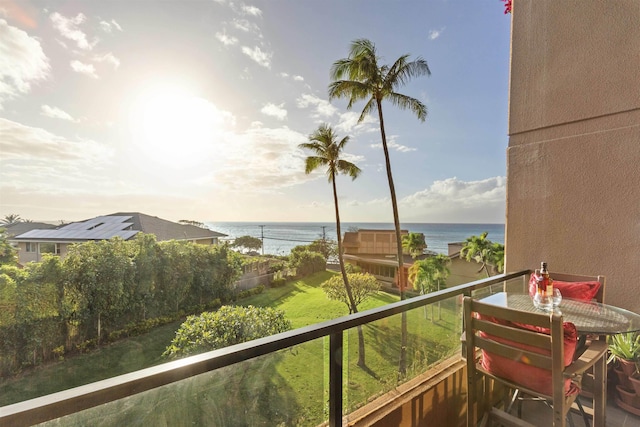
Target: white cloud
[(23, 62), (322, 109), (262, 58), (108, 58), (271, 154), (36, 159), (456, 199), (18, 141), (251, 10), (69, 28), (109, 26), (348, 123), (246, 26), (82, 68), (226, 40), (434, 34), (294, 78), (55, 113), (449, 200), (274, 111), (392, 144)]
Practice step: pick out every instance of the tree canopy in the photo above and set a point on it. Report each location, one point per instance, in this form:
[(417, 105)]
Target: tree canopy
[(192, 222), (363, 286), (8, 254), (429, 274), (247, 242), (484, 252), (228, 326), (414, 243)]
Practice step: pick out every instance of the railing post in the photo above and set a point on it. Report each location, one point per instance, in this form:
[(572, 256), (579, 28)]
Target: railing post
[(335, 379)]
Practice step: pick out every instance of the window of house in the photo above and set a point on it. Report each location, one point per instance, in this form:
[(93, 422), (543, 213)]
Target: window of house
[(50, 248), (31, 247)]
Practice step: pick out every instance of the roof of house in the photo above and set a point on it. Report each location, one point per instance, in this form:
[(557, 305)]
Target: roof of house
[(168, 230), (122, 224)]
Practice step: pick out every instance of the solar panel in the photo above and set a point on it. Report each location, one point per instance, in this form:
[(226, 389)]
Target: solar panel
[(99, 228)]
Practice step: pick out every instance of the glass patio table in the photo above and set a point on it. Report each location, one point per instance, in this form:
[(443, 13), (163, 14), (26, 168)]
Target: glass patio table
[(589, 317)]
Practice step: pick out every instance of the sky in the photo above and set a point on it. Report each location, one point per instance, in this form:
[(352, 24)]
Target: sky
[(195, 110)]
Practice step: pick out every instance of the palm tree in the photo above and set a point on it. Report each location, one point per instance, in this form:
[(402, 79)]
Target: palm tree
[(427, 275), (441, 263), (422, 274), (323, 142), (478, 249), (414, 243), (11, 219), (497, 257), (370, 81), (366, 80)]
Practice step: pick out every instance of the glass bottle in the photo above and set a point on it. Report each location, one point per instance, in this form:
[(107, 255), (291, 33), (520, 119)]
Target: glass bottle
[(543, 298), (547, 279)]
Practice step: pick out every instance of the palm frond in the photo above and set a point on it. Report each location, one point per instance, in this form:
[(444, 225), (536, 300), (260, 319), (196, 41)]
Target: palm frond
[(405, 102)]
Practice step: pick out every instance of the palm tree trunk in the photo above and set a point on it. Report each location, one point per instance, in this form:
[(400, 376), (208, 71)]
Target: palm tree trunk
[(402, 364), (352, 304)]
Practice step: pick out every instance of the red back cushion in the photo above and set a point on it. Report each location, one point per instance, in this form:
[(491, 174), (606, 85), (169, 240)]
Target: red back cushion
[(582, 291), (519, 371)]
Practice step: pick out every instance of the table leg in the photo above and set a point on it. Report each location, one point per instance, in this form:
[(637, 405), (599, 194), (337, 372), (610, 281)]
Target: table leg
[(600, 393)]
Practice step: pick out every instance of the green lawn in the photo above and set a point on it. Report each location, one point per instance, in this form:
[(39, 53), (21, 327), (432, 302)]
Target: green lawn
[(286, 388), (118, 358)]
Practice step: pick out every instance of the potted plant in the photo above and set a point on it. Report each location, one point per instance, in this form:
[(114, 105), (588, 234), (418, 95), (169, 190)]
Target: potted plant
[(624, 349)]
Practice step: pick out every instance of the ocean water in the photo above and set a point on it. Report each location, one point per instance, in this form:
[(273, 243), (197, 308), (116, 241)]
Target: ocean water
[(280, 237)]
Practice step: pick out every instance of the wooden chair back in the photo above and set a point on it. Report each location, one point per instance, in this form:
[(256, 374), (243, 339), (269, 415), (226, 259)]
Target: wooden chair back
[(553, 343), (566, 277)]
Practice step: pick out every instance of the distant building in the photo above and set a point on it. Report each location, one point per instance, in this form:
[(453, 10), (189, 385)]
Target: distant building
[(375, 252), (35, 242)]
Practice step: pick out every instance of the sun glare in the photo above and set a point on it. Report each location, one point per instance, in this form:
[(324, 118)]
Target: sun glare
[(174, 128)]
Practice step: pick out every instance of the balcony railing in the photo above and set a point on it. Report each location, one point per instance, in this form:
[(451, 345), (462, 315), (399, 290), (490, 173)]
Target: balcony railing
[(245, 384)]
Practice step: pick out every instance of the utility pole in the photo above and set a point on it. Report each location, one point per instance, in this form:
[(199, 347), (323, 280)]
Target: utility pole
[(262, 237)]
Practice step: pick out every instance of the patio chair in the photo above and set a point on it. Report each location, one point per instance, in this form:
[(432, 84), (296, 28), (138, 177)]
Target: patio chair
[(584, 288), (531, 352)]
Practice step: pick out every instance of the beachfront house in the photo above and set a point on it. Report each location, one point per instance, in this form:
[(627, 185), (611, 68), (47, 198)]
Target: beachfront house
[(34, 243)]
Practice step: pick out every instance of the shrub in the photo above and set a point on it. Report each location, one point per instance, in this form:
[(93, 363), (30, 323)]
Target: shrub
[(229, 325), (306, 262)]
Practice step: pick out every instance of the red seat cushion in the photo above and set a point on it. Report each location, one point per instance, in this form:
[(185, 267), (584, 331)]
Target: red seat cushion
[(582, 291), (519, 371)]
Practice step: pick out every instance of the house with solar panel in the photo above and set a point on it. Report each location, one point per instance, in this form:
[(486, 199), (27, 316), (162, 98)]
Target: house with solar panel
[(34, 243)]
